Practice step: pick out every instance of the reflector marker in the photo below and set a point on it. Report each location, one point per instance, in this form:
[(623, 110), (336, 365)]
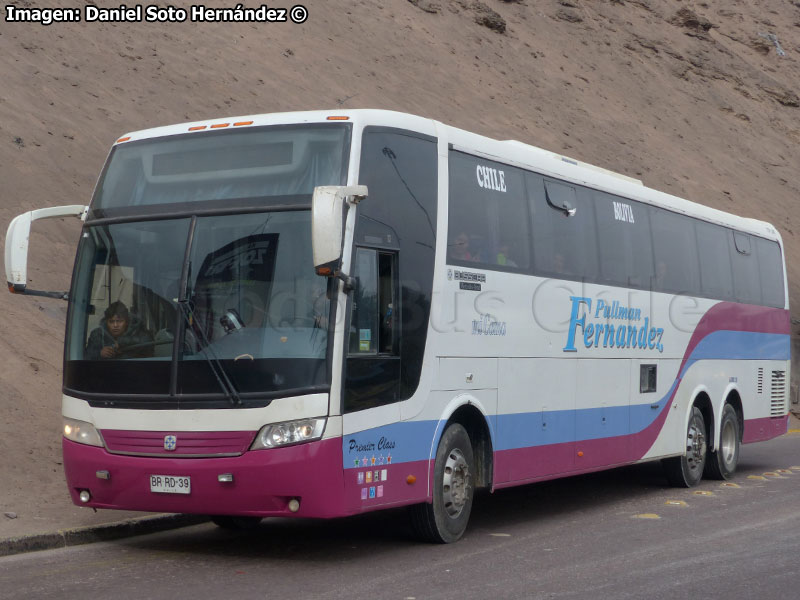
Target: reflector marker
[(220, 125), (197, 128), (123, 139), (339, 118), (652, 516), (728, 484), (703, 493), (240, 123), (676, 503)]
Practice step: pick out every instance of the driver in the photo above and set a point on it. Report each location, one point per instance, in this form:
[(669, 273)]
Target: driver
[(119, 336)]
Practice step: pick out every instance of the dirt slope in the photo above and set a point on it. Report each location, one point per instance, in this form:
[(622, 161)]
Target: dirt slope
[(688, 96)]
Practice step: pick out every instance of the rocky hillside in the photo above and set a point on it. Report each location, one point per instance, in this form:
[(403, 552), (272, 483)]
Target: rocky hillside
[(698, 99)]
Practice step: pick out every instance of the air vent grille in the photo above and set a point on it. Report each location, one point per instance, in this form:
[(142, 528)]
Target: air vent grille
[(761, 380), (778, 394)]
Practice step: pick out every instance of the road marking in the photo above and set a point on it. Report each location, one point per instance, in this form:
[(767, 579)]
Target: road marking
[(794, 431), (785, 472), (676, 503), (795, 468), (652, 516), (500, 534), (773, 475), (729, 485), (758, 477), (703, 493)]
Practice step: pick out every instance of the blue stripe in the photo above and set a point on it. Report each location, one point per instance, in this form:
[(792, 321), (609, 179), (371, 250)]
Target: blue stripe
[(413, 440)]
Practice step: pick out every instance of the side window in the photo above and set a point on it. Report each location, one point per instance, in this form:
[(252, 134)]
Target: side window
[(373, 323), (397, 221), (770, 265), (746, 284), (626, 252), (488, 221), (716, 279), (564, 232), (677, 268)]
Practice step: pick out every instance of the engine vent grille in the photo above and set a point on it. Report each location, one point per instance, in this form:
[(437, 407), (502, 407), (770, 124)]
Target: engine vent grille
[(778, 394)]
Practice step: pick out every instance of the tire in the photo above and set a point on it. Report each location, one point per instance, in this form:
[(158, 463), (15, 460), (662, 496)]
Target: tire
[(722, 463), (687, 470), (235, 523), (445, 519)]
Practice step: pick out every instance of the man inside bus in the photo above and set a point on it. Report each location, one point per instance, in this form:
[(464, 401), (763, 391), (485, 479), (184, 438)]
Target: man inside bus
[(120, 335), (459, 249)]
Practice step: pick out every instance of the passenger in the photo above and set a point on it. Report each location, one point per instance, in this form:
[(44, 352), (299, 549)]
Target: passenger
[(503, 258), (119, 336), (459, 249)]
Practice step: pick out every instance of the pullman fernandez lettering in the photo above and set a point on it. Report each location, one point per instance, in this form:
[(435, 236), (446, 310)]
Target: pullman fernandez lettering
[(613, 335)]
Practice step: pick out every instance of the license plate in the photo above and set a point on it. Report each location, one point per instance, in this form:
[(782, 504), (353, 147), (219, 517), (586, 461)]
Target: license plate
[(170, 484)]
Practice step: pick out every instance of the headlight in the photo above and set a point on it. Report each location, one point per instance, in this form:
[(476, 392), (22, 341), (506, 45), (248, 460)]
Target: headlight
[(291, 432), (81, 432)]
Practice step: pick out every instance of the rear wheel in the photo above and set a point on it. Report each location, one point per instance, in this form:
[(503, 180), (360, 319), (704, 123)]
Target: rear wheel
[(235, 523), (722, 462), (445, 519), (687, 470)]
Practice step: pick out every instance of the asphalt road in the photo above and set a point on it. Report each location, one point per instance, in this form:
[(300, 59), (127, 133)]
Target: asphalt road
[(618, 534)]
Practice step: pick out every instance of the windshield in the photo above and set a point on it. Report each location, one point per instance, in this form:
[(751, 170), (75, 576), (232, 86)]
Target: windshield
[(210, 169), (198, 308)]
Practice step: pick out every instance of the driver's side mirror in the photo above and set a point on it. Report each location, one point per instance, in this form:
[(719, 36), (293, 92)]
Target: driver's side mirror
[(16, 255), (327, 225)]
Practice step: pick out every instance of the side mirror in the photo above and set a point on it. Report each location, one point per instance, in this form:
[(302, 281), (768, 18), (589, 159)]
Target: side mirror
[(16, 255), (327, 225)]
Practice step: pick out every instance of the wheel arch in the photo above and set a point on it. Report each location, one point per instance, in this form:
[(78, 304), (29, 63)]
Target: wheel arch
[(470, 414), (702, 400)]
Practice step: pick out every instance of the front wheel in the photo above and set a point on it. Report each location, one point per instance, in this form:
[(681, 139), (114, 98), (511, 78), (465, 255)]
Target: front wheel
[(687, 470), (445, 519), (722, 463)]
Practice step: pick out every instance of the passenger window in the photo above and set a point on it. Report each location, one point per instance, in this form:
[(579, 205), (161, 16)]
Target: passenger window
[(771, 267), (746, 282), (488, 220), (716, 279), (677, 267), (626, 252), (564, 232)]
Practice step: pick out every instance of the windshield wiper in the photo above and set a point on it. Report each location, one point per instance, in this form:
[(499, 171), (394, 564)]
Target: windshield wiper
[(211, 358)]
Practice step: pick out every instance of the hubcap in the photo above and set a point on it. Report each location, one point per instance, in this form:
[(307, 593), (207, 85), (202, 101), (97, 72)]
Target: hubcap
[(456, 483), (728, 443), (695, 446)]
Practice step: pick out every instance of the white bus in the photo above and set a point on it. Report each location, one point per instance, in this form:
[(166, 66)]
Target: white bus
[(320, 314)]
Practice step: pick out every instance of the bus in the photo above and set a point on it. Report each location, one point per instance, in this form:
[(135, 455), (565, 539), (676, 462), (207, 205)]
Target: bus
[(320, 314)]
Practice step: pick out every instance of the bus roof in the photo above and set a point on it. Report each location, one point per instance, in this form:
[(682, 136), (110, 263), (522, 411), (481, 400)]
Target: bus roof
[(512, 152)]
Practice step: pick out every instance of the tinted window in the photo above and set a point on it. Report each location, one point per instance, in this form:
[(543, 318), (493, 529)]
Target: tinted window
[(564, 232), (716, 279), (746, 282), (488, 221), (770, 265), (677, 268), (626, 252), (400, 170)]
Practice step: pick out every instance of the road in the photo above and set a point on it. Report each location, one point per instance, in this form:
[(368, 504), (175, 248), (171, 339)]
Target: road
[(618, 534)]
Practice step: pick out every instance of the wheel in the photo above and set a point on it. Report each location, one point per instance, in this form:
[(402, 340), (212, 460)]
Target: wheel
[(445, 519), (721, 463), (235, 523), (687, 470)]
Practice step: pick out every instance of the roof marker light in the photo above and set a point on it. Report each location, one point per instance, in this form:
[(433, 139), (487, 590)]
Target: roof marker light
[(123, 139), (338, 118), (219, 125), (197, 128), (240, 123)]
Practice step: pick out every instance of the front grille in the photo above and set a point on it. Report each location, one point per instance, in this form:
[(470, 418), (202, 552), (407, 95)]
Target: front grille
[(187, 443)]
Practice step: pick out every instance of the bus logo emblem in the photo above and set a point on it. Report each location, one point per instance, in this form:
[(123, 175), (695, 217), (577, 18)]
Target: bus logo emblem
[(170, 442)]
